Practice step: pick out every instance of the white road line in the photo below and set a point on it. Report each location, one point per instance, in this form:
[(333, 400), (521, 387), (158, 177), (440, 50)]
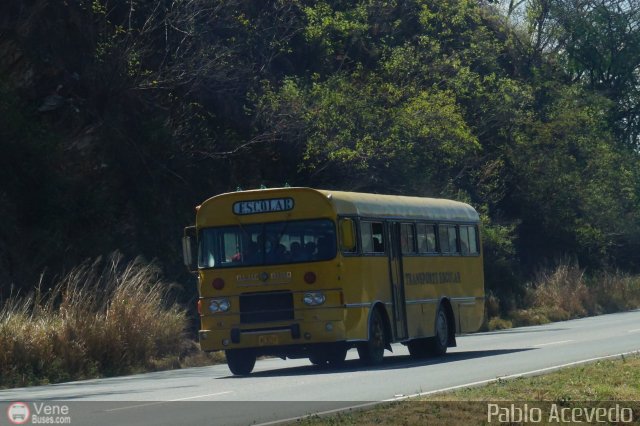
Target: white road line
[(166, 402), (552, 343), (637, 330), (466, 385), (200, 396)]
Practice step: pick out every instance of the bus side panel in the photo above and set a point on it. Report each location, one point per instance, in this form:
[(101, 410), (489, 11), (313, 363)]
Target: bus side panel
[(471, 316), (468, 303), (365, 280), (428, 279), (421, 298)]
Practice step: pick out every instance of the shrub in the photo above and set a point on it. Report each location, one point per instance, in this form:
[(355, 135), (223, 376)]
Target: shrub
[(103, 318), (497, 323), (566, 292), (615, 291)]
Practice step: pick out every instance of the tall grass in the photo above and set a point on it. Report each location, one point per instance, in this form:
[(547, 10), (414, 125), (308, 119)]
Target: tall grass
[(103, 318), (567, 292)]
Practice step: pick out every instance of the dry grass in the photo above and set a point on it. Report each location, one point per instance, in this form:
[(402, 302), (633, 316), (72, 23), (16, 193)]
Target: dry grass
[(566, 292), (103, 318)]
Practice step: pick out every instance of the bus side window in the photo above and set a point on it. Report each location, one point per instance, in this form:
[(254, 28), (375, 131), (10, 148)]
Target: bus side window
[(473, 240), (367, 238), (443, 238), (206, 250), (464, 239), (453, 240), (372, 240), (468, 241), (426, 238), (448, 239), (378, 239)]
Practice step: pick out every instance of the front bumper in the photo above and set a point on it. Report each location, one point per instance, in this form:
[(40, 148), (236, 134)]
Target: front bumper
[(272, 335)]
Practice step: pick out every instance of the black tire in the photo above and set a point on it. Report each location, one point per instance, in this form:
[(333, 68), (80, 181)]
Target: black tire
[(337, 356), (438, 344), (419, 348), (240, 361), (334, 355), (318, 359), (371, 352)]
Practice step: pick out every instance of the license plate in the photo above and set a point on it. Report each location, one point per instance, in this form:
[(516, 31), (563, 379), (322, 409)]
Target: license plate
[(267, 339)]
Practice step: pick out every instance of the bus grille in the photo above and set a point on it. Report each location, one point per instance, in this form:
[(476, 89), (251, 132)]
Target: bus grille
[(265, 307)]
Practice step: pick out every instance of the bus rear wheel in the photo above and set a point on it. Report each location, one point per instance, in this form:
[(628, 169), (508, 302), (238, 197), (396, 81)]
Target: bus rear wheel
[(240, 361), (371, 352), (438, 344)]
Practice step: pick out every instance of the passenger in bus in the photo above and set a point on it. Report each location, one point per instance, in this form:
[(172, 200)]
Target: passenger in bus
[(281, 252), (377, 245), (309, 250), (297, 254), (264, 246), (277, 254), (248, 255), (238, 256)]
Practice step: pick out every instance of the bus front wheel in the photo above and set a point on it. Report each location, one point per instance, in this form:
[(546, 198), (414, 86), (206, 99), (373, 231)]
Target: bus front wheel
[(333, 355), (240, 361), (371, 352)]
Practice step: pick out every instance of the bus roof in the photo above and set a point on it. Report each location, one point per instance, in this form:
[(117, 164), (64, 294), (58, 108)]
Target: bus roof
[(400, 206), (219, 209)]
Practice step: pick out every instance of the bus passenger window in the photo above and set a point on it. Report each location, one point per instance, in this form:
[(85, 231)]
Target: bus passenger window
[(464, 239), (443, 234), (473, 240), (468, 242), (378, 240), (372, 240), (453, 240), (367, 240), (448, 239), (426, 238)]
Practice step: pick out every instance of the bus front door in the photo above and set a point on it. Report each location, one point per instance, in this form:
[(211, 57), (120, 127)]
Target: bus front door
[(399, 324)]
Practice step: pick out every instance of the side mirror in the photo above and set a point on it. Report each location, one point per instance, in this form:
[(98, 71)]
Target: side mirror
[(189, 247), (348, 235)]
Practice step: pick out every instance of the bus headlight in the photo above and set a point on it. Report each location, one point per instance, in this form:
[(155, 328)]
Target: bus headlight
[(219, 305), (314, 298)]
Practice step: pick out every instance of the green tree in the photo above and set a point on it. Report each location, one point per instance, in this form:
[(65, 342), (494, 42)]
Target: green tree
[(571, 187)]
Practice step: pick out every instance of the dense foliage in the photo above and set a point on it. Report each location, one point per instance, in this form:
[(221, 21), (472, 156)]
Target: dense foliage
[(118, 117)]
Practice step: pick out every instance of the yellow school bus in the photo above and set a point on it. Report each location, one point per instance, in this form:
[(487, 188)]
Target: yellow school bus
[(308, 273)]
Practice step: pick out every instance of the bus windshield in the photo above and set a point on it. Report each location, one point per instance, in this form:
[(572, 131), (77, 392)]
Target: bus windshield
[(267, 244)]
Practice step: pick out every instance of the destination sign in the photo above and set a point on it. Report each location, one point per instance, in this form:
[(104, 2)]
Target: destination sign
[(263, 206)]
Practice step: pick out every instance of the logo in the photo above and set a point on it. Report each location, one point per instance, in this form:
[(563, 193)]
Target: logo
[(18, 413)]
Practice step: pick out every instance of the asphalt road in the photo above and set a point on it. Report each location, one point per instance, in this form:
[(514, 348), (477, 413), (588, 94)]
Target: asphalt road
[(286, 389)]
